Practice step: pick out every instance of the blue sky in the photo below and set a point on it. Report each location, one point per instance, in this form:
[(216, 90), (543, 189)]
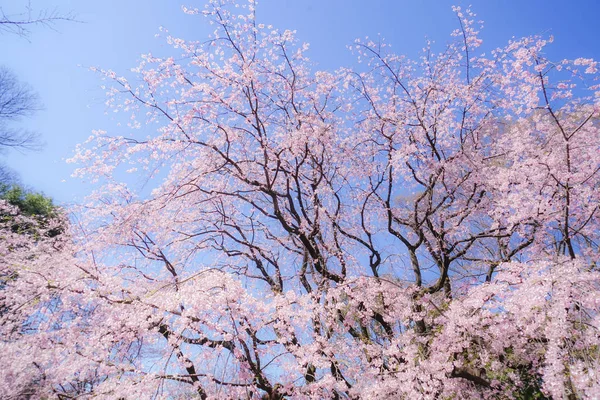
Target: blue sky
[(114, 33)]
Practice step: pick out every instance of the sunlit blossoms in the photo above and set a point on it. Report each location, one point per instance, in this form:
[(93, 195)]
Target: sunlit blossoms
[(411, 229)]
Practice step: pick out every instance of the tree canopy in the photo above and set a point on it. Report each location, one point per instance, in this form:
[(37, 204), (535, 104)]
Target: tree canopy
[(412, 229)]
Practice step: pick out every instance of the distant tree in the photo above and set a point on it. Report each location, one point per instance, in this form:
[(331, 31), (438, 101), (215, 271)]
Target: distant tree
[(17, 100), (7, 175), (21, 23), (28, 202)]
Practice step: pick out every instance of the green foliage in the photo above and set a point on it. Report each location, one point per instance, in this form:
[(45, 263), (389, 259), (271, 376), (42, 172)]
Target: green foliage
[(30, 203)]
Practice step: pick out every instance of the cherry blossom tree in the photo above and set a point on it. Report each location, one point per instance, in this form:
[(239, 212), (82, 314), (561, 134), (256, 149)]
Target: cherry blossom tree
[(403, 229), (32, 244)]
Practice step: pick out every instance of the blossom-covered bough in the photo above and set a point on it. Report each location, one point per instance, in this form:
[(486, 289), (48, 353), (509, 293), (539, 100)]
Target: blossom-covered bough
[(403, 229)]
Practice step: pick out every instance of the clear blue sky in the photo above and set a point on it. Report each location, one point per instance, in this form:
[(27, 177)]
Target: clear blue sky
[(115, 32)]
